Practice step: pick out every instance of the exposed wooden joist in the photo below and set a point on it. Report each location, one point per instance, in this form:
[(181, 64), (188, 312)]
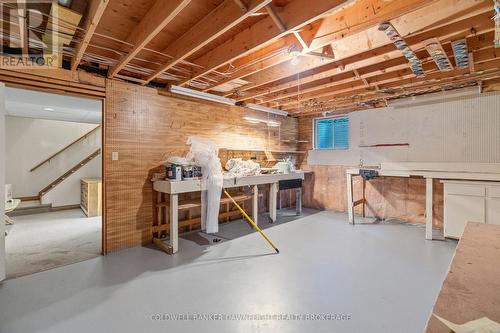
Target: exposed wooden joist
[(157, 18), (337, 26), (366, 57), (275, 17), (295, 15), (266, 57), (372, 73), (23, 29), (365, 13), (242, 5), (363, 34), (221, 19), (350, 96), (301, 40), (95, 9)]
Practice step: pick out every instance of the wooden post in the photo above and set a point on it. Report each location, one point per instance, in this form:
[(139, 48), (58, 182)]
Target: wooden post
[(364, 197), (428, 208), (350, 207)]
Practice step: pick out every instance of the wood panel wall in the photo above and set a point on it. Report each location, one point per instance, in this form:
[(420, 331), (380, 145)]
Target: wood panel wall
[(387, 197), (146, 127)]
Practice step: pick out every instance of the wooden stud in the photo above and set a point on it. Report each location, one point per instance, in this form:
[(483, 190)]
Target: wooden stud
[(94, 14)]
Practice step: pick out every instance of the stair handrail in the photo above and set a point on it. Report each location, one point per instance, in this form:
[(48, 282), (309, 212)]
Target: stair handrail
[(68, 173), (65, 148)]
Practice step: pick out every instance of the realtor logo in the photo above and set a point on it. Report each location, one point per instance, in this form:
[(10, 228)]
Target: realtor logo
[(30, 33)]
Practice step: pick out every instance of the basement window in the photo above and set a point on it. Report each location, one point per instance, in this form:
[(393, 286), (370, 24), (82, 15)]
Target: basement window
[(331, 133)]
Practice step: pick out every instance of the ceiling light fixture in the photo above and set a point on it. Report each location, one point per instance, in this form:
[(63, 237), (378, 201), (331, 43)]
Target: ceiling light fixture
[(270, 122), (294, 55), (251, 120), (201, 95), (262, 108), (48, 109)]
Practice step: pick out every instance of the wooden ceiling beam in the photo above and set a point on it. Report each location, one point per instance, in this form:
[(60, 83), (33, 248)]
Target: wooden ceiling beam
[(398, 81), (276, 18), (264, 58), (476, 43), (478, 24), (368, 97), (294, 15), (362, 17), (23, 30), (384, 11), (216, 23), (158, 17), (95, 10)]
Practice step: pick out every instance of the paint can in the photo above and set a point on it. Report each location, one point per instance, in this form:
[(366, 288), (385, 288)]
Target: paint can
[(188, 172), (174, 172)]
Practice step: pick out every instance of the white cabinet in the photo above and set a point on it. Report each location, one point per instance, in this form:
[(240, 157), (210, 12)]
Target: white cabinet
[(468, 201), (493, 210)]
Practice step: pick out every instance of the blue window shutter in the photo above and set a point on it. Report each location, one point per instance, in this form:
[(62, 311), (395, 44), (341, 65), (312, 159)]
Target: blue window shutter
[(341, 133), (324, 133)]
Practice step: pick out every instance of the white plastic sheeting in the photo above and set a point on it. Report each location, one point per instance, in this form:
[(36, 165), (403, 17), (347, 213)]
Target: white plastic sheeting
[(205, 153), (236, 167)]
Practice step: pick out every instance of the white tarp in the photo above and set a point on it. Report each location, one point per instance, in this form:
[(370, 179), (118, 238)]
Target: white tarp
[(205, 153), (236, 167)]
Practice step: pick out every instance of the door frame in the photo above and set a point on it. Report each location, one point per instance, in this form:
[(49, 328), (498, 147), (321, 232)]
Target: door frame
[(103, 147)]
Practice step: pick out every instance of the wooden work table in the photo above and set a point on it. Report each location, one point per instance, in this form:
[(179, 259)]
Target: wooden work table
[(429, 171), (174, 188), (471, 289)]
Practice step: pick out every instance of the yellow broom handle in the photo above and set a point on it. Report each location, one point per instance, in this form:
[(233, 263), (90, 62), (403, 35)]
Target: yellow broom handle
[(256, 227)]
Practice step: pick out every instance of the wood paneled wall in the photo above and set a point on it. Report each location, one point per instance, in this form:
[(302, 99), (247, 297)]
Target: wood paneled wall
[(145, 128), (387, 197)]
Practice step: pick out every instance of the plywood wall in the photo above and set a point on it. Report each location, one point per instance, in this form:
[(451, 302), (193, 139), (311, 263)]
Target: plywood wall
[(451, 127), (145, 128), (387, 197), (459, 126)]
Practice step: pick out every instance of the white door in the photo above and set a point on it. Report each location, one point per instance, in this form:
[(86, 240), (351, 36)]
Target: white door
[(2, 182)]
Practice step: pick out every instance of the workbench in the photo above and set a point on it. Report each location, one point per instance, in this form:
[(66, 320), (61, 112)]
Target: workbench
[(429, 171), (174, 188)]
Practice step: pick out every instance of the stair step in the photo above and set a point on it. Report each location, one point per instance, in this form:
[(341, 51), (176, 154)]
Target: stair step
[(28, 210)]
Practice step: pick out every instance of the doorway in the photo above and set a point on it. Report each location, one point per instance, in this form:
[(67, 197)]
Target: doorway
[(53, 177)]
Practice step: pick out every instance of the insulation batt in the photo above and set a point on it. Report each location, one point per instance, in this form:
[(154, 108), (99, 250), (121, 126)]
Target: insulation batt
[(236, 167), (205, 153)]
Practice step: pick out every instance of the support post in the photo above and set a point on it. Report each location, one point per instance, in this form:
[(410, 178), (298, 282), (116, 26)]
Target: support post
[(255, 206), (298, 201), (273, 192), (428, 208), (350, 207), (174, 222)]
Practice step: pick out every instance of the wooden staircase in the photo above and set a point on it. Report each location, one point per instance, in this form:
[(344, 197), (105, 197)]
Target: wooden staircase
[(68, 173)]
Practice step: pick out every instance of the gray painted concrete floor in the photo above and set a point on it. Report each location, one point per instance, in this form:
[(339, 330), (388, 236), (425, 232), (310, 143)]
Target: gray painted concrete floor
[(385, 277), (43, 241)]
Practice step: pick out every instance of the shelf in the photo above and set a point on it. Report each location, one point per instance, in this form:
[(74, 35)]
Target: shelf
[(264, 150)]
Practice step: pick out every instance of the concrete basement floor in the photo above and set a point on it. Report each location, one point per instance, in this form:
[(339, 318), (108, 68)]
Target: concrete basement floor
[(384, 276)]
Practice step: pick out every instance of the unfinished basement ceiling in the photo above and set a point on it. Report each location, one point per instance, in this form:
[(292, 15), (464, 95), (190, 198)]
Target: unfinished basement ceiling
[(305, 57)]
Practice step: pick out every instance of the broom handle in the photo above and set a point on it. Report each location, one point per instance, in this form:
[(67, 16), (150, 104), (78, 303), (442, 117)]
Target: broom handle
[(256, 227)]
